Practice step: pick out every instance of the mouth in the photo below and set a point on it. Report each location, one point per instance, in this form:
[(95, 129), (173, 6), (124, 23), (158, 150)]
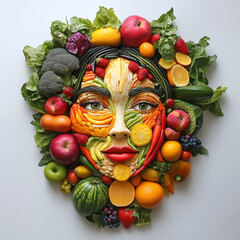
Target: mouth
[(120, 154)]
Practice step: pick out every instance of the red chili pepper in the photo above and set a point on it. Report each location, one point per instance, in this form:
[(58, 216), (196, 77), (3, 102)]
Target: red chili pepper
[(159, 156)]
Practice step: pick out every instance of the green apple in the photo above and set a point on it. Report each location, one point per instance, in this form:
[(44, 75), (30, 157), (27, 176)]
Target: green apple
[(55, 172)]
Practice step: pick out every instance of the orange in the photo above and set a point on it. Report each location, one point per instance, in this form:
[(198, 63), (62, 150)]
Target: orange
[(166, 65), (121, 194), (147, 50), (171, 150), (141, 135), (121, 172), (182, 59), (149, 194), (178, 76), (136, 180)]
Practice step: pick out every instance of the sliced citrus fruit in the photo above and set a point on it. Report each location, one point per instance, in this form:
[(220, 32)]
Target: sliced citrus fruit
[(121, 172), (141, 134), (121, 194), (182, 59), (178, 76), (166, 65)]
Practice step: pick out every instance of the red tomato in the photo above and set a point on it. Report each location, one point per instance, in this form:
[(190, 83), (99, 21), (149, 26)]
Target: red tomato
[(186, 155), (107, 180), (72, 178)]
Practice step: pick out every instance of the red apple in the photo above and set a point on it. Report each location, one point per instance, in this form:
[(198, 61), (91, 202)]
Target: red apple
[(171, 134), (56, 106), (178, 120), (64, 149), (135, 30)]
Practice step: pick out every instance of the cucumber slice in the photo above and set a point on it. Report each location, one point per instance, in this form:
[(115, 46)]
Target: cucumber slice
[(195, 113)]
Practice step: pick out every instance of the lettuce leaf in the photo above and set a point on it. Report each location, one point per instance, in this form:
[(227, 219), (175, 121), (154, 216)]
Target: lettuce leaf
[(165, 28), (60, 32), (200, 61), (42, 139), (31, 94), (213, 104), (81, 25), (106, 18)]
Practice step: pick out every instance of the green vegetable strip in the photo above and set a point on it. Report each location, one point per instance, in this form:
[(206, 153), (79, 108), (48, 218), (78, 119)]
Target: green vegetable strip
[(100, 81), (129, 116)]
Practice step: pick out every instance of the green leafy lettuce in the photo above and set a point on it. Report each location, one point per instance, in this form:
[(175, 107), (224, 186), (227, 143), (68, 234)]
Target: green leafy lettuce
[(42, 139), (165, 28), (81, 25), (106, 18), (198, 73)]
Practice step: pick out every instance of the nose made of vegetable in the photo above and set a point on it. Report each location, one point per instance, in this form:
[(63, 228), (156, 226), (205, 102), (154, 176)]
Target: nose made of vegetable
[(119, 129)]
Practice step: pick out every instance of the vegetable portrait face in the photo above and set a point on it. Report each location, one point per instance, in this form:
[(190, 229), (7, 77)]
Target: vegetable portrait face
[(118, 112)]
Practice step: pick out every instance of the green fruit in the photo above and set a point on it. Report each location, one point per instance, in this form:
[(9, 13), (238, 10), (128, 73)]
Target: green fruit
[(55, 172), (195, 113), (90, 196)]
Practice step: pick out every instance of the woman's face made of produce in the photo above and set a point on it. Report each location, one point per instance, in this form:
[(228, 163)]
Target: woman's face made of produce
[(108, 112)]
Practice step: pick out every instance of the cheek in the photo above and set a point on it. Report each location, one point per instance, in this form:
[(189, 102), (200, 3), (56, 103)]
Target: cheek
[(91, 123)]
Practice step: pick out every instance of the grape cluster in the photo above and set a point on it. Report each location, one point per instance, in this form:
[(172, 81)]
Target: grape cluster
[(110, 216), (190, 143)]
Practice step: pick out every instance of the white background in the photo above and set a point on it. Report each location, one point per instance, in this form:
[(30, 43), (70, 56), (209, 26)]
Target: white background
[(206, 206)]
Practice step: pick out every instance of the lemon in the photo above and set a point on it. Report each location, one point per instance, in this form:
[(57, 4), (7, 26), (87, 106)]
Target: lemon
[(106, 37)]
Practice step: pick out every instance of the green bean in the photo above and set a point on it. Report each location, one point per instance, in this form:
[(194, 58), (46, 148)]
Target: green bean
[(112, 106), (134, 119), (130, 144), (134, 123), (100, 81), (129, 116)]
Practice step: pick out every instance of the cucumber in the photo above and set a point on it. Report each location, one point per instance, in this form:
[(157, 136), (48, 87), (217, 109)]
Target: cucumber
[(195, 113), (192, 93), (86, 163)]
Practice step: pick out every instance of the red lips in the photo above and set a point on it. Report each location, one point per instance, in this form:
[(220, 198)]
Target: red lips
[(120, 154)]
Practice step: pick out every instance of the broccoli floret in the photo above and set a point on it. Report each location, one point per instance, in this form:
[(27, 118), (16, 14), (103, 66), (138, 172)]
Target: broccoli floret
[(62, 63), (50, 84)]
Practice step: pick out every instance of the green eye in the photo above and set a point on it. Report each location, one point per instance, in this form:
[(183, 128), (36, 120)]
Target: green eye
[(94, 106), (143, 106)]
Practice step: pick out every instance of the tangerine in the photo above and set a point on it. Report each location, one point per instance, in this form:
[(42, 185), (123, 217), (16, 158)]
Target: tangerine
[(171, 150), (147, 50), (149, 194)]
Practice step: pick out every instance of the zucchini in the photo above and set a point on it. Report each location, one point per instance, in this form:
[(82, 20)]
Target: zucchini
[(86, 163), (192, 93)]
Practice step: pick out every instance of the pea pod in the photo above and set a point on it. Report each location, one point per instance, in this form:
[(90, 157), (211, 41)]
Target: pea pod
[(134, 123), (86, 163), (129, 116), (133, 120)]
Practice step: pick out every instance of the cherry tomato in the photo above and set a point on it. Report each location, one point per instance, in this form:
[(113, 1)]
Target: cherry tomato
[(72, 178), (107, 180), (186, 155), (170, 103)]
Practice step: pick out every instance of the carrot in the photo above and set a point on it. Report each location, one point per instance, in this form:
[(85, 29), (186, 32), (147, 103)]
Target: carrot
[(88, 156)]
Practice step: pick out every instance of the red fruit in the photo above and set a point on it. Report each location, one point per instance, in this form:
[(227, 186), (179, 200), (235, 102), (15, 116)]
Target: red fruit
[(100, 72), (72, 178), (126, 217), (181, 46), (81, 138), (107, 180), (133, 67), (142, 73), (170, 103), (89, 67), (102, 62), (68, 91), (150, 76), (155, 37), (186, 155), (55, 106)]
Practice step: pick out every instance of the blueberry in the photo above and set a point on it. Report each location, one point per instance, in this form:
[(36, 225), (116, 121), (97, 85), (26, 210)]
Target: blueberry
[(110, 225), (185, 141), (115, 224), (194, 144), (181, 138)]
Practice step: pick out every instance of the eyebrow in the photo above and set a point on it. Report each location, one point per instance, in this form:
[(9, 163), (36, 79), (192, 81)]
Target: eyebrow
[(99, 90), (137, 90)]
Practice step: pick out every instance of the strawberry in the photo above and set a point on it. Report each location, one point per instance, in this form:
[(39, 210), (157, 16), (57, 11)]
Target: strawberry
[(150, 76), (142, 74), (68, 91), (181, 46), (155, 37), (89, 67), (100, 72), (133, 67), (102, 62), (126, 217), (80, 138)]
